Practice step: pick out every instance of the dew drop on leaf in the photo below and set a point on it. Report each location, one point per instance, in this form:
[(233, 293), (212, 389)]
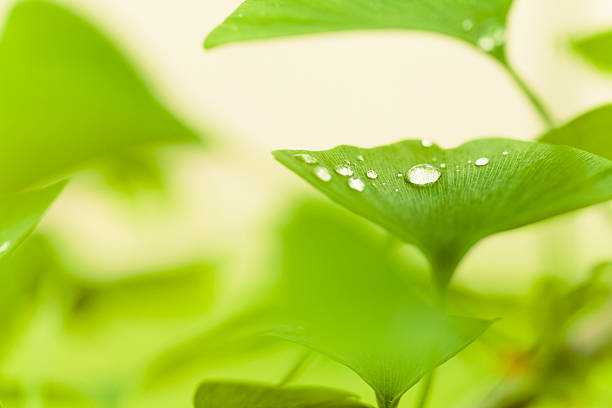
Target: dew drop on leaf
[(344, 170), (306, 158), (486, 43), (423, 174), (505, 153), (372, 174), (360, 158), (483, 161), (443, 165), (323, 174), (356, 184), (426, 143), (4, 246), (467, 24)]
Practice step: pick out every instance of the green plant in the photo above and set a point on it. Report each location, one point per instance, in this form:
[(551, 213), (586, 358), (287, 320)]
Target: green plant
[(442, 201)]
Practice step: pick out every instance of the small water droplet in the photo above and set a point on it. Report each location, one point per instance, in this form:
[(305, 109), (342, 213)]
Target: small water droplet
[(505, 153), (469, 162), (399, 174), (306, 158), (344, 170), (443, 165), (426, 143), (356, 184), (423, 174), (372, 174), (486, 43), (384, 183), (467, 24), (323, 174), (4, 246), (483, 161), (360, 157), (397, 190)]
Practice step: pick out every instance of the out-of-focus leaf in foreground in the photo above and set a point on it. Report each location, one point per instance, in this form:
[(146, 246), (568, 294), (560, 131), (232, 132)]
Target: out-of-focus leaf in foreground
[(225, 394), (597, 49), (343, 295), (591, 131), (444, 201), (481, 23), (68, 96)]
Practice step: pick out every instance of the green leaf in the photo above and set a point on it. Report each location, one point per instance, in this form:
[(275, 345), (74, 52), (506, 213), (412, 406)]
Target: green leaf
[(343, 295), (225, 394), (591, 131), (480, 23), (69, 96), (597, 49), (533, 181)]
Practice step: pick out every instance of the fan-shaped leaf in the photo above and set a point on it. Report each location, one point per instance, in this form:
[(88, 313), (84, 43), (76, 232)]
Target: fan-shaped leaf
[(522, 182), (68, 96), (597, 50), (225, 394), (591, 131), (481, 23)]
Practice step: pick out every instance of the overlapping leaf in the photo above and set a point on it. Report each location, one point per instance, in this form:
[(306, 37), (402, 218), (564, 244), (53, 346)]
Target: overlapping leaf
[(225, 394), (591, 131), (522, 183), (343, 295), (68, 96), (481, 23), (597, 49)]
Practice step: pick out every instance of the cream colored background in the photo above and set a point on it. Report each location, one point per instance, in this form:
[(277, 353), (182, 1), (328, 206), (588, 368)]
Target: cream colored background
[(360, 88)]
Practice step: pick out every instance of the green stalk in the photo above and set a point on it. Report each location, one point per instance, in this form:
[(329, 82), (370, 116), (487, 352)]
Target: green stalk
[(297, 369), (533, 98), (425, 390)]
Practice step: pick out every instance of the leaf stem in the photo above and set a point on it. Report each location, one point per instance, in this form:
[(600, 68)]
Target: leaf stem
[(297, 369), (533, 98), (425, 390)]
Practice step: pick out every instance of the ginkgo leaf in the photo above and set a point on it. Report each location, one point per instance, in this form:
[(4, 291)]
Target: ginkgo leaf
[(444, 201), (227, 394), (591, 131), (69, 96), (597, 49), (342, 294), (481, 23)]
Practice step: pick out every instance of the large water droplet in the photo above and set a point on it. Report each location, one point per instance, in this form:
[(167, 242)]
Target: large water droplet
[(356, 184), (483, 161), (467, 24), (372, 174), (344, 170), (306, 158), (423, 174), (426, 143), (323, 174)]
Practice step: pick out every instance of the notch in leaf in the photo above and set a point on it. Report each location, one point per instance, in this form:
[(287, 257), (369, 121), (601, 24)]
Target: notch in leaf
[(461, 196), (69, 96), (227, 394)]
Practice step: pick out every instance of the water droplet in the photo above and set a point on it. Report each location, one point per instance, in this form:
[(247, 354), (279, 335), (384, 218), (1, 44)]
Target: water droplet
[(423, 174), (486, 43), (397, 190), (499, 36), (483, 161), (4, 246), (443, 165), (360, 157), (323, 174), (372, 174), (306, 158), (344, 170), (426, 143), (356, 184), (505, 153), (467, 24), (469, 161), (399, 174)]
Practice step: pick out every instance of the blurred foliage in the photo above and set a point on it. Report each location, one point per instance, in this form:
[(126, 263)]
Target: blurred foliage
[(596, 49)]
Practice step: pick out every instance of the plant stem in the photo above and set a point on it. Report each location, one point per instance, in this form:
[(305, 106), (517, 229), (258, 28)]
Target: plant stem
[(535, 101), (297, 369), (425, 390)]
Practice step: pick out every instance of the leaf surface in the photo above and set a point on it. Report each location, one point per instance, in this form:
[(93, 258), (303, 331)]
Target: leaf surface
[(69, 96), (597, 49), (342, 294), (218, 394), (533, 181), (591, 131), (480, 23)]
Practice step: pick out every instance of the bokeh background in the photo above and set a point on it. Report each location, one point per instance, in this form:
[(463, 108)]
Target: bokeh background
[(212, 212)]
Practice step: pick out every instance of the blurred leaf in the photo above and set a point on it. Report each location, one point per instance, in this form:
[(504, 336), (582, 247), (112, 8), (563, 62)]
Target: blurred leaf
[(591, 131), (468, 202), (597, 49), (219, 394), (132, 172), (55, 395), (480, 23), (343, 295), (70, 98), (12, 394)]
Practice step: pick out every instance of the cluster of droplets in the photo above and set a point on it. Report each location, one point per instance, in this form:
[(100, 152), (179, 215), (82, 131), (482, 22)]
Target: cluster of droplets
[(493, 34), (422, 174)]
